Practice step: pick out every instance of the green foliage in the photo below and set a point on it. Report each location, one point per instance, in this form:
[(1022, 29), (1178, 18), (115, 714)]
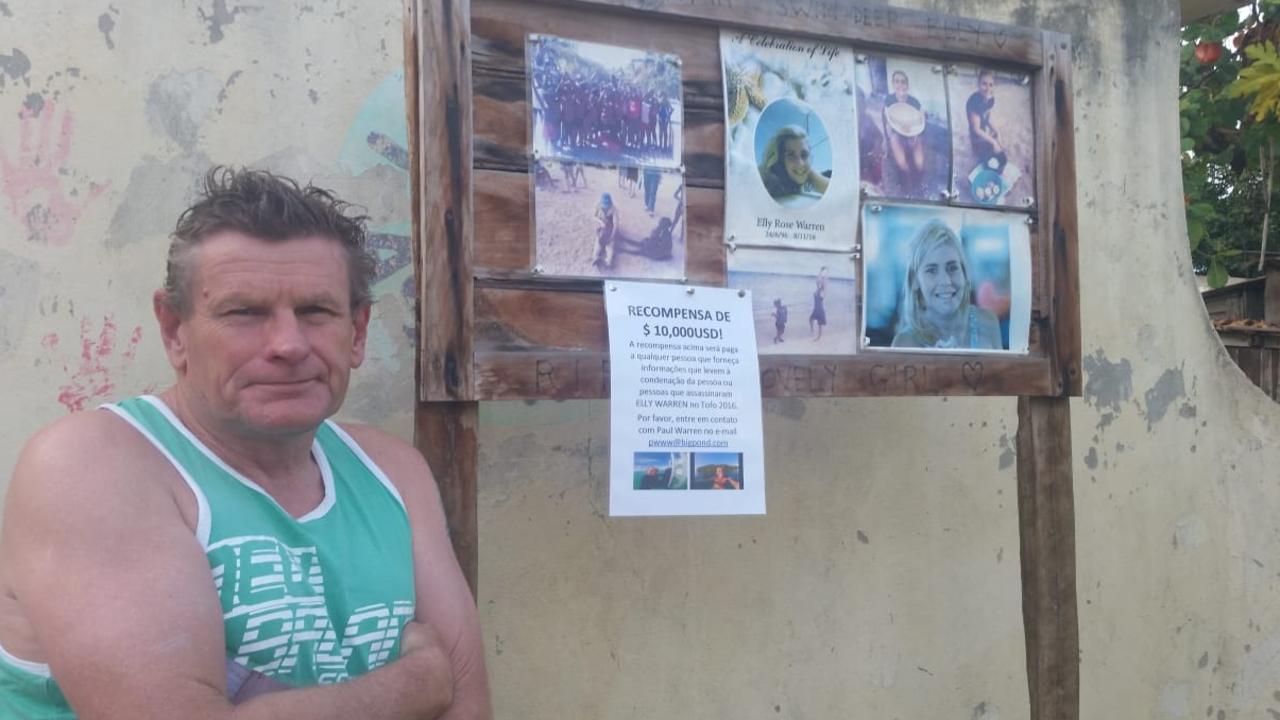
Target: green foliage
[(1230, 130), (1261, 81)]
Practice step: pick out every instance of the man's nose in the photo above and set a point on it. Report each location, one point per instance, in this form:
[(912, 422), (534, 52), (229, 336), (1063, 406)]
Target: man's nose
[(285, 338)]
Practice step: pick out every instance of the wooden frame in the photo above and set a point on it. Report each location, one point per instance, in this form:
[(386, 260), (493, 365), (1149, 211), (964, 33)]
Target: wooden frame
[(484, 334)]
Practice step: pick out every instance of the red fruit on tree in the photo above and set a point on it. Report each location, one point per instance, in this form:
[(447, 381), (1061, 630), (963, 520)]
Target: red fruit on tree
[(1208, 53)]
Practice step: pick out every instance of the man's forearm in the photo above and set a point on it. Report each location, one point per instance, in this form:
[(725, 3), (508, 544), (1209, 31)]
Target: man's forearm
[(398, 691)]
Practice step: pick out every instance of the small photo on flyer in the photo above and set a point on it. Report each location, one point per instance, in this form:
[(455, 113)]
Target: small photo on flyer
[(993, 136), (600, 221), (661, 471), (803, 302), (604, 104), (903, 137), (949, 280), (717, 471)]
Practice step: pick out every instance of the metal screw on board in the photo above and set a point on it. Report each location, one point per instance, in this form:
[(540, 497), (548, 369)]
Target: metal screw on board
[(1024, 80), (866, 341), (862, 193), (1027, 202), (855, 255), (742, 293), (953, 70), (860, 59), (684, 281), (874, 208), (613, 288), (945, 194), (688, 291), (937, 69), (537, 270), (1031, 221)]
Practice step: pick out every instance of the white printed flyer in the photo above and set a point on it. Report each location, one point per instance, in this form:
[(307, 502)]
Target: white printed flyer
[(686, 436)]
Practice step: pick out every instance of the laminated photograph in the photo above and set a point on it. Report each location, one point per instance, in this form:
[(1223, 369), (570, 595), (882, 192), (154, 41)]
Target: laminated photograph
[(600, 221), (604, 104), (904, 143), (791, 175), (804, 302), (945, 279), (993, 137)]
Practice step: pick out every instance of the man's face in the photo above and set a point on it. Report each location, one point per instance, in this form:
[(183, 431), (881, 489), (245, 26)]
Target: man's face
[(271, 338)]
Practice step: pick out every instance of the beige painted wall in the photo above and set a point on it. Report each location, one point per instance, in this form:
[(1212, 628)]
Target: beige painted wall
[(883, 583)]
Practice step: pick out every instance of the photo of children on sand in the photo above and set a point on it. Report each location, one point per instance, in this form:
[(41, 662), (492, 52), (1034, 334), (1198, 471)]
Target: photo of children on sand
[(790, 156), (604, 104), (804, 302), (717, 471), (660, 471), (903, 139), (618, 222), (942, 279), (992, 136)]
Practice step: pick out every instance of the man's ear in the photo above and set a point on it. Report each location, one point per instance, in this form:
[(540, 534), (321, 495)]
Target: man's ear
[(360, 319), (170, 325)]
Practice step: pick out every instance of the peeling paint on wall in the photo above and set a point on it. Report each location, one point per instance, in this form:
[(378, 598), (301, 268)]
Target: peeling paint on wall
[(156, 193), (1167, 390), (178, 104), (220, 16), (19, 286), (105, 25), (1108, 384), (15, 66)]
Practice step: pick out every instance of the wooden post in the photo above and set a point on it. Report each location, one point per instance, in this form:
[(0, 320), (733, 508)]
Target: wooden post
[(445, 434), (438, 104), (1047, 532), (442, 198)]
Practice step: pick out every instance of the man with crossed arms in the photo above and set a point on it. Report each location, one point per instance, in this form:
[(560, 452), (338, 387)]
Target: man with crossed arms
[(222, 549)]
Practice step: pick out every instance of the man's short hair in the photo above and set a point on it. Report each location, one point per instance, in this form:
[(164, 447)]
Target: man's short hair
[(271, 207)]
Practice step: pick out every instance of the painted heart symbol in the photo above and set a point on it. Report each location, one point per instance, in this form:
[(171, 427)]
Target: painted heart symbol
[(972, 373)]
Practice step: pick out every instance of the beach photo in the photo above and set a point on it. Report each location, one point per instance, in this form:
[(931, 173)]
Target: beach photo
[(903, 138), (944, 279), (604, 104), (803, 302), (608, 221), (717, 471), (993, 137)]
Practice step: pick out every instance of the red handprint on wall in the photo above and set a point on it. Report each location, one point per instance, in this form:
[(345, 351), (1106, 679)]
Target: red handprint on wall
[(33, 180), (92, 381)]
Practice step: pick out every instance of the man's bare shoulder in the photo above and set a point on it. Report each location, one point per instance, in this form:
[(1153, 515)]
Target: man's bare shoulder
[(402, 462), (80, 456)]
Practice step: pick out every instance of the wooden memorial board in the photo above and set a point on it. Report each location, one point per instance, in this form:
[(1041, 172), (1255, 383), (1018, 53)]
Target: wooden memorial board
[(494, 328)]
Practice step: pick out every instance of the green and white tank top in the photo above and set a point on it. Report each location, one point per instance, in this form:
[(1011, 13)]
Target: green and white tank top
[(310, 600)]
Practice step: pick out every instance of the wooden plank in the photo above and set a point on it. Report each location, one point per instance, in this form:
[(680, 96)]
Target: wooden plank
[(1047, 532), (503, 224), (445, 434), (1059, 239), (585, 374), (870, 26), (443, 198), (411, 106)]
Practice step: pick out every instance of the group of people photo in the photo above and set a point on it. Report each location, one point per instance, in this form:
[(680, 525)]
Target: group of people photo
[(604, 104), (608, 188)]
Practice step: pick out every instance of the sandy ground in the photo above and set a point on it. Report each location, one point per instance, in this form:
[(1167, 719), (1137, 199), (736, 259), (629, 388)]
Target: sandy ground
[(839, 337), (1012, 118), (564, 219)]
